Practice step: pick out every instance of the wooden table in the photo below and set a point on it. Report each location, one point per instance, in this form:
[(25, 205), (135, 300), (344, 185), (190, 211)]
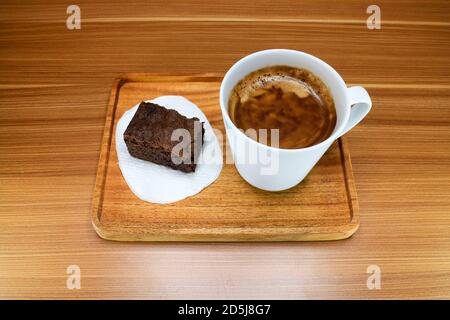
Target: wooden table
[(54, 88)]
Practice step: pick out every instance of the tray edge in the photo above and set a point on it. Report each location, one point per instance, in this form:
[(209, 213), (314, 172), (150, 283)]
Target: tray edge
[(341, 232)]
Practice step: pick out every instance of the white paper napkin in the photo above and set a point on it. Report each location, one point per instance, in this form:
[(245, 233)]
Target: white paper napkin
[(158, 184)]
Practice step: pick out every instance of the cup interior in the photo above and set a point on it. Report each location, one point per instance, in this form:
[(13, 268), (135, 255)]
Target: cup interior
[(298, 59)]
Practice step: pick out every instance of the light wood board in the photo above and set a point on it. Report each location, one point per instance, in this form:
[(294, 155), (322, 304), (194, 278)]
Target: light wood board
[(322, 207)]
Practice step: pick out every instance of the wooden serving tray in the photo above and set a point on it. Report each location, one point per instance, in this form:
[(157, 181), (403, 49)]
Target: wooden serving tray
[(322, 207)]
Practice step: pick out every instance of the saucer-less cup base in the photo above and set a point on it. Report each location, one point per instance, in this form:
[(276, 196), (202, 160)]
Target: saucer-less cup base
[(276, 169)]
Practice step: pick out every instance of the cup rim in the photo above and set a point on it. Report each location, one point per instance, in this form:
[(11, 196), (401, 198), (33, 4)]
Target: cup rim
[(338, 78)]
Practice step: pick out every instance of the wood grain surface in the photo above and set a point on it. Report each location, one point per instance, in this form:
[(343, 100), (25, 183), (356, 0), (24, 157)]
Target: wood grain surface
[(323, 207), (54, 88)]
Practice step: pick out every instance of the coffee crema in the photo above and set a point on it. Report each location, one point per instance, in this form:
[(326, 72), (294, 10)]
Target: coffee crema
[(290, 99)]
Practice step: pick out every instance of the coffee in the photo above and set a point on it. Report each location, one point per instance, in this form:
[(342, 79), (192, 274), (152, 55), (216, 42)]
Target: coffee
[(293, 100)]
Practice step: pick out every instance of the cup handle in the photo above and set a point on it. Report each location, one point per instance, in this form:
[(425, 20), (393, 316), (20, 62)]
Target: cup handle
[(360, 106)]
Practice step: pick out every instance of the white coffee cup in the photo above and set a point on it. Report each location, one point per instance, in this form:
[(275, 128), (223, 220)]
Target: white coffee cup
[(276, 169)]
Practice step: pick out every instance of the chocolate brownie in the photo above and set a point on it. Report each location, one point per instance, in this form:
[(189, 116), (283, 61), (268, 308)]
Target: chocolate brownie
[(149, 137)]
